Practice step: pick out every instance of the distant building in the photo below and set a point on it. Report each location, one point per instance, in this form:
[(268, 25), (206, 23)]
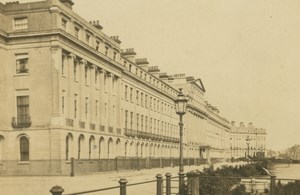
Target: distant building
[(206, 128), (69, 91), (272, 154), (247, 141), (293, 152)]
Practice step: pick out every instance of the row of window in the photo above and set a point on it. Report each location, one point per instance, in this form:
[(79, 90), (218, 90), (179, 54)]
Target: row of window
[(142, 123), (144, 75), (88, 74), (142, 100), (88, 37), (22, 23), (109, 51), (87, 108), (243, 137)]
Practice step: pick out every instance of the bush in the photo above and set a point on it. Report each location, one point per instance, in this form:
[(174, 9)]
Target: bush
[(292, 188), (213, 182), (239, 190)]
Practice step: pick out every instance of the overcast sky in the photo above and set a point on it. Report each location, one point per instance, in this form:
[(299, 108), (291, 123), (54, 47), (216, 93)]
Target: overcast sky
[(247, 53)]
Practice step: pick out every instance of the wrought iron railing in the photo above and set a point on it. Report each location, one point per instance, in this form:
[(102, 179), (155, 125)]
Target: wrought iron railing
[(21, 122)]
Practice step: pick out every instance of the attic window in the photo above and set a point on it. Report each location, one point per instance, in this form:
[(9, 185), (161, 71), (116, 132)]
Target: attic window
[(21, 23)]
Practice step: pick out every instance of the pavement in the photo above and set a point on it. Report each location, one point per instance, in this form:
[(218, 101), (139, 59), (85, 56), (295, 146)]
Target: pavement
[(40, 185)]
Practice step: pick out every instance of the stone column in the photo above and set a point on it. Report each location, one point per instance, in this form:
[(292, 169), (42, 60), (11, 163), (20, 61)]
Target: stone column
[(69, 99), (82, 91), (56, 60), (102, 96), (92, 94)]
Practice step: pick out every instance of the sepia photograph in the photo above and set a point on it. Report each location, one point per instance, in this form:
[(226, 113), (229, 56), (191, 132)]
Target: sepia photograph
[(152, 97)]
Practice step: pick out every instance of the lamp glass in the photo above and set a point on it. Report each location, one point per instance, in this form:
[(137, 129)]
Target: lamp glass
[(180, 103)]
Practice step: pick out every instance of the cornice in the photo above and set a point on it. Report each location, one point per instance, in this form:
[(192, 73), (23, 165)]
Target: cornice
[(207, 115)]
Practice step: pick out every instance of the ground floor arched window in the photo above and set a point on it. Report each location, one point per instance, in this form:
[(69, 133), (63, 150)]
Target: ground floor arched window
[(69, 138), (80, 140), (24, 149)]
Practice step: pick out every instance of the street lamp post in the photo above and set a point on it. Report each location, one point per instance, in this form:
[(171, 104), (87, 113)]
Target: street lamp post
[(248, 143), (180, 105)]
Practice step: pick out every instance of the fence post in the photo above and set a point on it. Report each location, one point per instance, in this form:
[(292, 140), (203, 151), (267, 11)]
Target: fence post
[(193, 183), (72, 167), (168, 183), (159, 184), (57, 190), (122, 183), (272, 184)]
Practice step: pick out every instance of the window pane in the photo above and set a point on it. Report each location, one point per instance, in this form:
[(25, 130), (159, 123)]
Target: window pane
[(21, 23)]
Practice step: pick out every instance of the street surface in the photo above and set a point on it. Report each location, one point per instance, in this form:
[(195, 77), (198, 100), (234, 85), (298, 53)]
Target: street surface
[(41, 185)]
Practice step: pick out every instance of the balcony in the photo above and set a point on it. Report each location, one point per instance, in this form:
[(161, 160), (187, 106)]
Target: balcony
[(21, 122), (130, 132)]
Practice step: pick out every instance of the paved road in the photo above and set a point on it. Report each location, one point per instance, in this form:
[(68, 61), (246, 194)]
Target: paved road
[(42, 185)]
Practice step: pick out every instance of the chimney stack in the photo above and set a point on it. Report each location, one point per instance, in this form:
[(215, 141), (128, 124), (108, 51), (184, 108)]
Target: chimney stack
[(68, 3), (242, 124), (143, 63), (96, 24), (154, 70), (129, 54), (116, 39), (233, 123)]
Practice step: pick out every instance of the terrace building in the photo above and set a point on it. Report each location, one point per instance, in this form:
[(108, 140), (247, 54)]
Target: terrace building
[(70, 92), (244, 139)]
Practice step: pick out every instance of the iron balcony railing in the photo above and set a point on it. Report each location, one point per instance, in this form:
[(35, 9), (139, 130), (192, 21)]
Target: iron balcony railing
[(21, 122), (149, 135)]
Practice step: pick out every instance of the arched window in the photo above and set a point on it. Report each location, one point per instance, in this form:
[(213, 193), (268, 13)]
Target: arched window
[(24, 149), (91, 145), (67, 147), (80, 140), (101, 147), (109, 148)]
